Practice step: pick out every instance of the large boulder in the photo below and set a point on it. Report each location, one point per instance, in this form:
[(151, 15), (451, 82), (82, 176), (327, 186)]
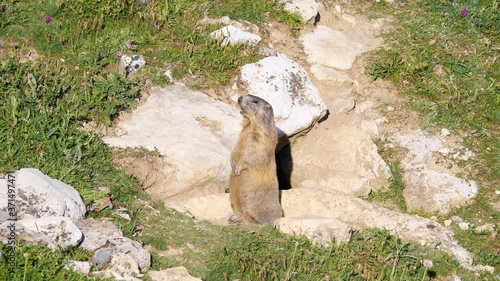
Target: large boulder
[(344, 159), (283, 83), (194, 133), (38, 196)]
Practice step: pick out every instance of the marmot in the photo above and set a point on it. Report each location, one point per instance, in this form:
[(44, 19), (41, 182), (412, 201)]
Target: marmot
[(253, 184)]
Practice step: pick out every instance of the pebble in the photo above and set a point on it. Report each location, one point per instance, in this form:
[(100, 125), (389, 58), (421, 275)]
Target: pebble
[(447, 222), (390, 108), (464, 225), (457, 219), (445, 132)]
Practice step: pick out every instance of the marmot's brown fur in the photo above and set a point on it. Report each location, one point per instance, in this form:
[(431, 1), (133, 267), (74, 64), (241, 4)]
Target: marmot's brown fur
[(253, 184)]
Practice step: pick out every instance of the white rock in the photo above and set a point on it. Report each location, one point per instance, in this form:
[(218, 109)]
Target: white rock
[(78, 266), (320, 230), (123, 264), (349, 156), (179, 273), (497, 192), (194, 133), (457, 219), (329, 75), (60, 230), (41, 196), (282, 82), (306, 9), (436, 191), (445, 132), (233, 35), (331, 48), (433, 190), (455, 278), (390, 108), (447, 222), (463, 225)]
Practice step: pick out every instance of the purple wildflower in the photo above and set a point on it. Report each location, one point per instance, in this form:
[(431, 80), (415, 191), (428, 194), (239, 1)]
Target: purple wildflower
[(91, 208), (412, 251), (396, 263), (119, 54), (48, 19), (465, 12), (128, 44), (363, 276), (4, 8), (7, 74)]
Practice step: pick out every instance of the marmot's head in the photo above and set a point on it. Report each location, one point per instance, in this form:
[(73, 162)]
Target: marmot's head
[(256, 109)]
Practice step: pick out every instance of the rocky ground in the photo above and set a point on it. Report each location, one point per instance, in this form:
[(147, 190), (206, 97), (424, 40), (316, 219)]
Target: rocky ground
[(330, 114)]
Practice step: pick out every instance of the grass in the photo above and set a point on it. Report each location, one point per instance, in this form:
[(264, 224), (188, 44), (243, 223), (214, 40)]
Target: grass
[(443, 55), (72, 79)]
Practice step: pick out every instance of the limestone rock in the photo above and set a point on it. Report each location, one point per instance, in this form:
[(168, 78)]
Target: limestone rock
[(179, 273), (306, 9), (320, 230), (233, 35), (78, 266), (194, 133), (123, 264), (283, 83), (425, 187), (331, 48), (348, 161), (38, 195), (357, 213), (106, 237), (59, 230)]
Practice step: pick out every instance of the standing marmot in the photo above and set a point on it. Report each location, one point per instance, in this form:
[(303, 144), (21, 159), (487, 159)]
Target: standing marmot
[(253, 184)]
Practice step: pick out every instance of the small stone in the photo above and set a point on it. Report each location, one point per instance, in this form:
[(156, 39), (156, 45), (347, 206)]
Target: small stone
[(445, 132), (447, 222), (487, 268), (78, 266), (101, 257), (488, 227), (455, 278), (497, 192), (438, 69), (457, 219), (463, 225), (390, 108)]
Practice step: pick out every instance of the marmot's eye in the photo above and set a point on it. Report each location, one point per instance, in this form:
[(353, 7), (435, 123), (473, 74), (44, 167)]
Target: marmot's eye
[(255, 101)]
